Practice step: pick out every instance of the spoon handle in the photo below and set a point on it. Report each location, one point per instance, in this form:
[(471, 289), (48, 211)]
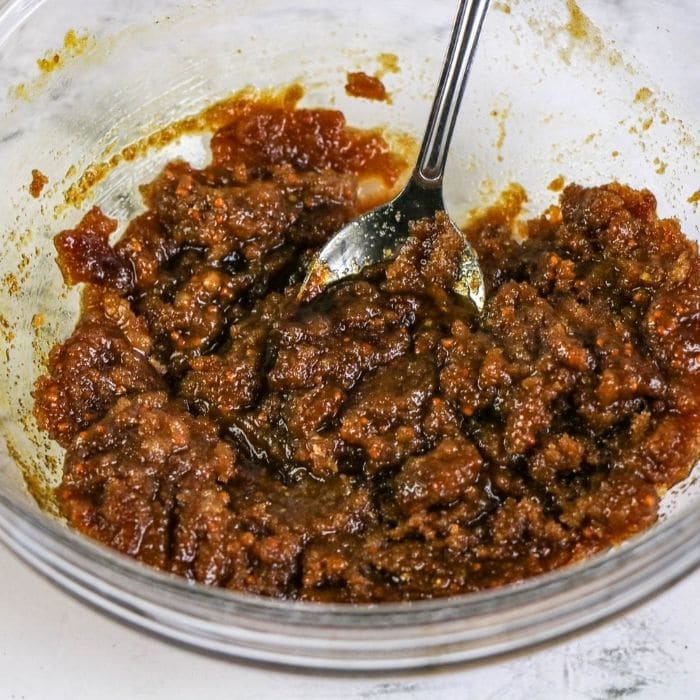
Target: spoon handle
[(443, 114)]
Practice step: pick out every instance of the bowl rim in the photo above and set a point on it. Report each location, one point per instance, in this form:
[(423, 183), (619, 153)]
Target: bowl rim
[(342, 637)]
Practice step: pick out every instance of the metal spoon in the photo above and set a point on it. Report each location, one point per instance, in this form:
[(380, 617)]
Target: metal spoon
[(379, 234)]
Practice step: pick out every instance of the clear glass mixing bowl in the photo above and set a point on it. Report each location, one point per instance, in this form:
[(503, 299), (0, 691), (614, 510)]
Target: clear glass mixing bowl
[(550, 95)]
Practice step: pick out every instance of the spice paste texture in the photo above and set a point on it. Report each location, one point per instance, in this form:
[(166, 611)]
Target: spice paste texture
[(369, 87), (382, 442)]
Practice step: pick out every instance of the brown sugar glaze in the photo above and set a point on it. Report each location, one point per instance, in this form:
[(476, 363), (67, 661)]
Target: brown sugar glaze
[(368, 87), (39, 181), (382, 442)]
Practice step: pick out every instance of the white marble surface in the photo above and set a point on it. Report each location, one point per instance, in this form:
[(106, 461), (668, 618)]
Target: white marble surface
[(53, 647)]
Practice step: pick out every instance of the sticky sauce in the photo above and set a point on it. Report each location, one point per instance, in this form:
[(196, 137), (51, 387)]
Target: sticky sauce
[(359, 84), (39, 181), (227, 111)]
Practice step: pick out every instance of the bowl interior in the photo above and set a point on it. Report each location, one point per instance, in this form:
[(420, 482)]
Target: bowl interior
[(550, 95)]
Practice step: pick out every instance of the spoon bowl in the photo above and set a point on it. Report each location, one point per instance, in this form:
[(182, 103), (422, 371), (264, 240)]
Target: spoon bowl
[(378, 235)]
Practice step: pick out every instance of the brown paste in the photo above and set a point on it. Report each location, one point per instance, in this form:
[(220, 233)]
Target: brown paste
[(382, 442), (369, 87), (39, 181)]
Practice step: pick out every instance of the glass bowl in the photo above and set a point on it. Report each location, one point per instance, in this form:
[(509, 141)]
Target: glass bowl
[(550, 95)]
